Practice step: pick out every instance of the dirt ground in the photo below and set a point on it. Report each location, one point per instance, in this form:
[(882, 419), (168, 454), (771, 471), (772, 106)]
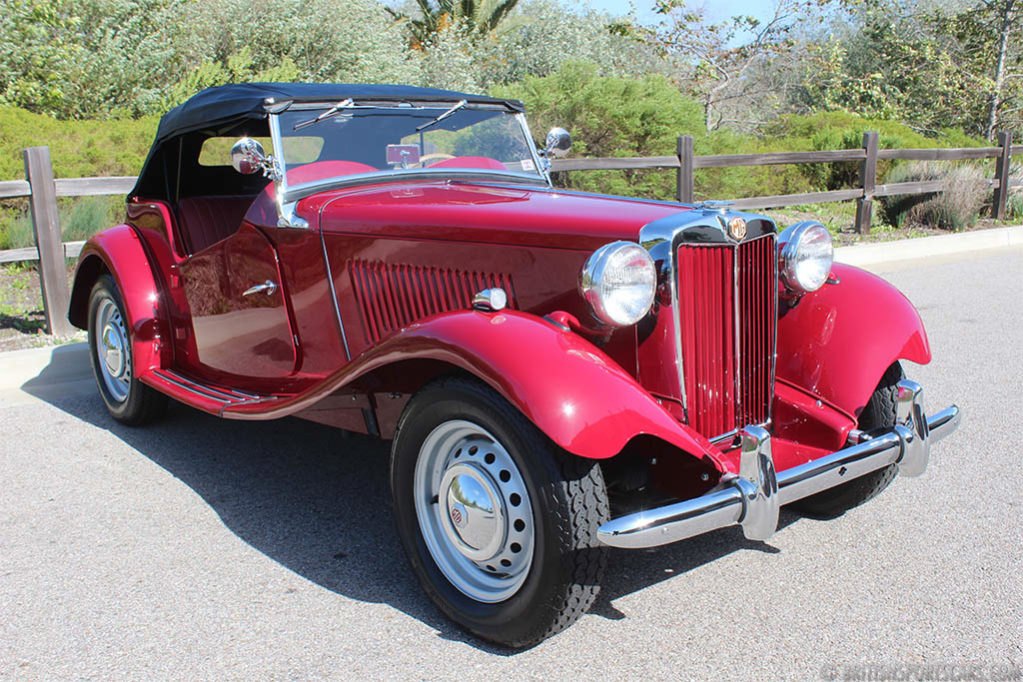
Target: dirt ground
[(22, 320)]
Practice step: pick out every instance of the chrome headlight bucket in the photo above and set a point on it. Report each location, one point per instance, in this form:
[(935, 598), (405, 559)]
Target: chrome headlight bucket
[(805, 256), (619, 281)]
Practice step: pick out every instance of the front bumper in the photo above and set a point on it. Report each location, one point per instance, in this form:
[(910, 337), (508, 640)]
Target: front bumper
[(752, 498)]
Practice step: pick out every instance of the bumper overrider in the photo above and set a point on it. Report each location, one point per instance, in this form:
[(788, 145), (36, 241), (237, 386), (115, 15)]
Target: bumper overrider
[(752, 498)]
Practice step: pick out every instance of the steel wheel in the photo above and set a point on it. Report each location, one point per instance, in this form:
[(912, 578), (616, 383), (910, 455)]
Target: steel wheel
[(113, 353), (110, 352), (499, 524), (474, 511)]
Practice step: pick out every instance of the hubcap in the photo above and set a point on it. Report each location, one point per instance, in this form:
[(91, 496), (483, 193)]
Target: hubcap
[(112, 352), (474, 511), (475, 516)]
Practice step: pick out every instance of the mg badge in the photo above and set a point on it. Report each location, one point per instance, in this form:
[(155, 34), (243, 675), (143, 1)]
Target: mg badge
[(458, 516), (737, 228)]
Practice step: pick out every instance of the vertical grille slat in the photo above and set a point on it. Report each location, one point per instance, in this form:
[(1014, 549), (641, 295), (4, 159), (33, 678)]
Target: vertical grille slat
[(391, 297), (726, 298)]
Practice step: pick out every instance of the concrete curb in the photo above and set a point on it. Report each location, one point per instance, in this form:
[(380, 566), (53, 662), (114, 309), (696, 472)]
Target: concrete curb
[(925, 247), (62, 364)]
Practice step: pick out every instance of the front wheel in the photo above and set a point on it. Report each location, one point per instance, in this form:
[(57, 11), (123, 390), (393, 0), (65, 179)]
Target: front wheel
[(499, 524), (127, 399), (879, 413)]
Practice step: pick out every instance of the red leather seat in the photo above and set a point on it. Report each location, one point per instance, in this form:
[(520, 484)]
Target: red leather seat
[(204, 221)]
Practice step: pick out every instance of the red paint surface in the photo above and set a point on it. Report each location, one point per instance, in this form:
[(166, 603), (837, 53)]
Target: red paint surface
[(237, 335), (558, 380), (464, 212), (838, 341), (405, 257), (124, 256)]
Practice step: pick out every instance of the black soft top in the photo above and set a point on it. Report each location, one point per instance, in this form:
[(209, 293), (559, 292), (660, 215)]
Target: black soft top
[(171, 169), (215, 106)]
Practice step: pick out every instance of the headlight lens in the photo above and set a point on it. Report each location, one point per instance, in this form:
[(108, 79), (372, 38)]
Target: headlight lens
[(619, 281), (805, 256)]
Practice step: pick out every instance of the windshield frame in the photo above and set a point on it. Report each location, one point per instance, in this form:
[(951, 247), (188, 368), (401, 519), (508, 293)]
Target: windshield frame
[(289, 194)]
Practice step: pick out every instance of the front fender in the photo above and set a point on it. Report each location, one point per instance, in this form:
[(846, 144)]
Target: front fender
[(569, 388), (120, 251), (838, 341)]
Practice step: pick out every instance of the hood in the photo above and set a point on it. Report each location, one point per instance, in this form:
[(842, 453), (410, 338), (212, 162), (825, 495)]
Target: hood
[(486, 213)]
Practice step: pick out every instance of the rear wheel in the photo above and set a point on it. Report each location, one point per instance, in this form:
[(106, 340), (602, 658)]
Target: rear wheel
[(879, 413), (499, 524), (110, 351)]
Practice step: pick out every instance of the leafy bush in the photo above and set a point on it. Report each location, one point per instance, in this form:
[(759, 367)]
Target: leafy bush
[(77, 148), (956, 207), (843, 130), (1014, 203)]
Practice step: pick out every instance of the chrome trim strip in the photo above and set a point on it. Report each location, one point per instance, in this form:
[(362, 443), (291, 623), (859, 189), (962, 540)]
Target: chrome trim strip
[(534, 153), (333, 293), (194, 386), (734, 504), (307, 189)]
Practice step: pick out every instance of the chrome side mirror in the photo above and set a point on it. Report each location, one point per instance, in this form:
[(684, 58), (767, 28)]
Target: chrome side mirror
[(558, 143), (248, 157)]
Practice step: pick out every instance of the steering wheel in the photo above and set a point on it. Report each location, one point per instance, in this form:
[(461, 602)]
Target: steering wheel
[(436, 156)]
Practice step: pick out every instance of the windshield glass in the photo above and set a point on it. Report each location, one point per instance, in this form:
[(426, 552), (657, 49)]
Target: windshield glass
[(355, 138)]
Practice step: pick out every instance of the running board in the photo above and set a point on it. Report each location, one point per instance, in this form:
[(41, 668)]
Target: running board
[(205, 397)]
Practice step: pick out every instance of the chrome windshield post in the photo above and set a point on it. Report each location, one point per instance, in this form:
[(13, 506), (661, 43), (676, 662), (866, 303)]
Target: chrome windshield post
[(543, 164), (286, 216)]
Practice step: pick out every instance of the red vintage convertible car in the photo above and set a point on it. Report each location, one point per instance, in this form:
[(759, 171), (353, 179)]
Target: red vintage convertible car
[(559, 372)]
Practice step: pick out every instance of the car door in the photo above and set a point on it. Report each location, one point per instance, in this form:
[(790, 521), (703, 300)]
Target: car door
[(239, 313)]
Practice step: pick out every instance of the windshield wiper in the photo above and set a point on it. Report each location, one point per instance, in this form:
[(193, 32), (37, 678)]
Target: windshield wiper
[(442, 116), (343, 104)]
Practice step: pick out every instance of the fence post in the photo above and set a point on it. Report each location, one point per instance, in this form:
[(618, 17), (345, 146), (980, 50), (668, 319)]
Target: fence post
[(1002, 167), (865, 204), (46, 225), (684, 176)]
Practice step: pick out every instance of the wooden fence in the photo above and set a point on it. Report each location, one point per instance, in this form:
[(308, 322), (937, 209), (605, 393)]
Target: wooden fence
[(42, 190)]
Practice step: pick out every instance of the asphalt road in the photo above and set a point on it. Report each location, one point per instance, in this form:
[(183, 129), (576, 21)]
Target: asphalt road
[(201, 548)]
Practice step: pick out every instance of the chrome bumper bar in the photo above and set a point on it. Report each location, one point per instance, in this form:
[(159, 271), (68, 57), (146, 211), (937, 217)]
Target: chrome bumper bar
[(752, 498)]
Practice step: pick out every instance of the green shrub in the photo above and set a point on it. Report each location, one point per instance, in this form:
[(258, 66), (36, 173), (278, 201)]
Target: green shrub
[(1014, 203), (89, 215), (77, 148), (956, 207), (843, 130)]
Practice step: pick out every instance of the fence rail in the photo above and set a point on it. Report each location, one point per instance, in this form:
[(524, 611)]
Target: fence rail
[(42, 189)]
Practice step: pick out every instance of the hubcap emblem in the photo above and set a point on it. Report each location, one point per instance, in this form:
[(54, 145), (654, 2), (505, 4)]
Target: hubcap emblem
[(458, 516)]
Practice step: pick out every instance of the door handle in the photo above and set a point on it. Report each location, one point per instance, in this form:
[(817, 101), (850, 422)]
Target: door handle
[(268, 287)]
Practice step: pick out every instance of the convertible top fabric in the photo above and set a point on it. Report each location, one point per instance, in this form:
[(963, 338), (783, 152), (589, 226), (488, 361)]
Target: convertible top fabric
[(214, 106)]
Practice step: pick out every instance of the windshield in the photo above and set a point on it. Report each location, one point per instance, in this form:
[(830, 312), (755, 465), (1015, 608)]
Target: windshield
[(332, 140)]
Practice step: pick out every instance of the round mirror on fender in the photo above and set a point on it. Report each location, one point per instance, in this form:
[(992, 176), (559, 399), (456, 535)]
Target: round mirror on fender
[(247, 156), (558, 143)]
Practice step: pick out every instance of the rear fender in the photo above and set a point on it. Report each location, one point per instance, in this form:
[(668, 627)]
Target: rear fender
[(837, 342), (120, 251), (569, 388)]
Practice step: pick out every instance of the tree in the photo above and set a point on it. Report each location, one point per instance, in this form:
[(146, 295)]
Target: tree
[(476, 17), (930, 66), (726, 65)]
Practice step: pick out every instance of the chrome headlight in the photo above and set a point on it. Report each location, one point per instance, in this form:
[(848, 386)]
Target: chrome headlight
[(619, 281), (805, 255)]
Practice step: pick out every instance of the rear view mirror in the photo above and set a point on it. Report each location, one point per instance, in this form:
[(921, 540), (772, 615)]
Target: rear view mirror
[(248, 157)]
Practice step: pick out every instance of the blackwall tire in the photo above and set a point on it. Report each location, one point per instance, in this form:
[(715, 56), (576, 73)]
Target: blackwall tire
[(462, 451), (110, 351), (880, 412)]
